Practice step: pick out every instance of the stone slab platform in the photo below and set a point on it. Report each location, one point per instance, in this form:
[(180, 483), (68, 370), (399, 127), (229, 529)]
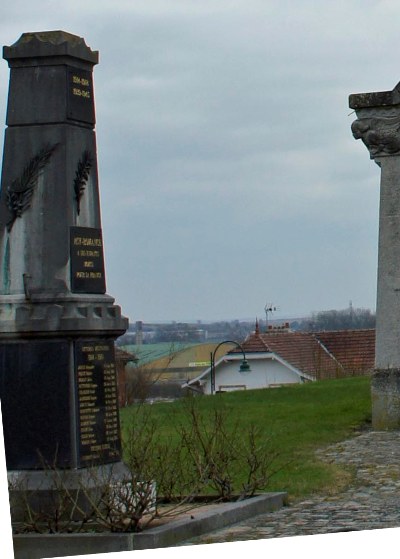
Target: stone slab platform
[(195, 523)]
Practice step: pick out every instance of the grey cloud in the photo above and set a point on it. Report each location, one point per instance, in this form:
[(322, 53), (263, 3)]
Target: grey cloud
[(223, 133)]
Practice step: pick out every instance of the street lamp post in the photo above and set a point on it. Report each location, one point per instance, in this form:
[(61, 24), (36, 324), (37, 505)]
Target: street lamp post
[(244, 366)]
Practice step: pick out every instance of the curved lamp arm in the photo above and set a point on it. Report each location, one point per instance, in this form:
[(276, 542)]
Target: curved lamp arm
[(244, 366)]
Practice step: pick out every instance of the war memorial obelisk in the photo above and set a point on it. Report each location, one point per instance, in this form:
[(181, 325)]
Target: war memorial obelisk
[(378, 126), (57, 324)]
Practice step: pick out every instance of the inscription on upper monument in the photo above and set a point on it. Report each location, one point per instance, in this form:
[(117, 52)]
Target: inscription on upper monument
[(80, 96), (87, 260)]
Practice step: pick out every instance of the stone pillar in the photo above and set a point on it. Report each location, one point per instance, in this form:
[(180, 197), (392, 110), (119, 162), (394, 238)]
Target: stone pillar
[(378, 126), (57, 324)]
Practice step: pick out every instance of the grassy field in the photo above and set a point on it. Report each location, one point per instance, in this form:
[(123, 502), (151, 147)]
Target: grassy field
[(295, 419)]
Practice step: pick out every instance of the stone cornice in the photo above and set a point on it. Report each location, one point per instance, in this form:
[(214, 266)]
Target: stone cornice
[(45, 44)]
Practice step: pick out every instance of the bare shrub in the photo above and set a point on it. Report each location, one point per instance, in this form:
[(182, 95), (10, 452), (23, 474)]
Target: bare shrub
[(151, 457), (234, 462), (209, 453), (139, 384)]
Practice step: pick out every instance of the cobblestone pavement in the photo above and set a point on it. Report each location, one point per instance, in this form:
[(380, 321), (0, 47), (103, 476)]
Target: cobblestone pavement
[(373, 500)]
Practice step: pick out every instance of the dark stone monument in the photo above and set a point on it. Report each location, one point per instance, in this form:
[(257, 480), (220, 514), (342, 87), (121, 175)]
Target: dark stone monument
[(378, 127), (57, 324)]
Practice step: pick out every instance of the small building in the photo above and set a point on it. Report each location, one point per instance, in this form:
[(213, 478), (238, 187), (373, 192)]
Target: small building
[(161, 369), (280, 357)]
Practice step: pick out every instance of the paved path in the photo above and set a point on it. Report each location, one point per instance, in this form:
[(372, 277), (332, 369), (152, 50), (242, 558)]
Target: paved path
[(373, 501)]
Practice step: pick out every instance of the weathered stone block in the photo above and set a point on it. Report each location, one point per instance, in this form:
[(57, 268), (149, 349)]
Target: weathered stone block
[(385, 395)]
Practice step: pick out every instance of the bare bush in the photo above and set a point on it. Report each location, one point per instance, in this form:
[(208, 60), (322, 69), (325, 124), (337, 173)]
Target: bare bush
[(209, 454), (151, 457), (232, 461), (139, 384)]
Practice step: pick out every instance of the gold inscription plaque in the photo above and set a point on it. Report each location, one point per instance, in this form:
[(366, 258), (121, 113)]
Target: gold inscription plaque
[(87, 260), (99, 437), (80, 101)]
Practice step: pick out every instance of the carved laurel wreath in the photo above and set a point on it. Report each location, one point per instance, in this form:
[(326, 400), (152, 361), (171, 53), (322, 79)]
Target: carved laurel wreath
[(82, 176), (19, 193)]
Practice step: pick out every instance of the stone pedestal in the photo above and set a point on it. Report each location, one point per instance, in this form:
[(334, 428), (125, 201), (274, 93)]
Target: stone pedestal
[(385, 396), (57, 324), (378, 126)]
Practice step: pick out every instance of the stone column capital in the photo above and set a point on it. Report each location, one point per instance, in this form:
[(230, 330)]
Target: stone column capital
[(378, 122)]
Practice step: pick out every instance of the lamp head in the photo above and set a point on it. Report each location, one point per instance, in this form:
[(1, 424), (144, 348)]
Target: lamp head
[(244, 367)]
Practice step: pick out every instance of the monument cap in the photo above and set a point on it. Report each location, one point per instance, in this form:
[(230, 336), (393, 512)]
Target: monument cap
[(49, 43), (375, 99)]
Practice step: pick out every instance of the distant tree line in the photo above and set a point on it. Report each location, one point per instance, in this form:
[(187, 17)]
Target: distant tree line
[(346, 319), (183, 332), (178, 332)]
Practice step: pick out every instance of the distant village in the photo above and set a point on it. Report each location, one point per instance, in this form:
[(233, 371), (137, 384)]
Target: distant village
[(168, 360), (141, 332)]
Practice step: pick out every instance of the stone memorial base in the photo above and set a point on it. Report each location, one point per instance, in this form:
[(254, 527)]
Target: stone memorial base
[(59, 403), (385, 395), (47, 493)]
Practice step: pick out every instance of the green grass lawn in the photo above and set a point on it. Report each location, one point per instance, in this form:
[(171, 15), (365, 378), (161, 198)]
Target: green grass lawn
[(296, 420)]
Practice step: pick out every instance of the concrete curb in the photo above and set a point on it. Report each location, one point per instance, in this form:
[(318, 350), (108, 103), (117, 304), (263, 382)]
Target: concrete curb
[(39, 546)]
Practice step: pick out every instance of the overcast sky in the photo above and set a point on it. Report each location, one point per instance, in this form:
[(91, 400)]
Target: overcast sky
[(228, 173)]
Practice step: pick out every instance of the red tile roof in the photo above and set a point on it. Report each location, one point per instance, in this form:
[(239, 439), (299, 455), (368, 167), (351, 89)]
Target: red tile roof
[(354, 349), (321, 355)]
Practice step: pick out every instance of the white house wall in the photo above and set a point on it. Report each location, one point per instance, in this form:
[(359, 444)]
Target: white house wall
[(264, 373)]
